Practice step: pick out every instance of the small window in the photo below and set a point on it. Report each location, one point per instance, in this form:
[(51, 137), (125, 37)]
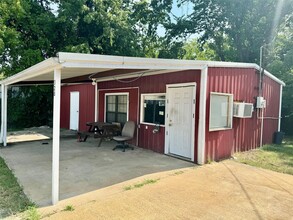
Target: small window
[(153, 108), (116, 108), (221, 111)]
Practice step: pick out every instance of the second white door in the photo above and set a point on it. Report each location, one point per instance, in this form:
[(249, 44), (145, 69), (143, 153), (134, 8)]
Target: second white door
[(74, 110)]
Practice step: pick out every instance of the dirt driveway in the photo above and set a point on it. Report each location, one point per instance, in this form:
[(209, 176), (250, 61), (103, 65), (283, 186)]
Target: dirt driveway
[(225, 190)]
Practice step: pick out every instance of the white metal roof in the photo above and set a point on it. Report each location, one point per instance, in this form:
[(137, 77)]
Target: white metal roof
[(77, 64)]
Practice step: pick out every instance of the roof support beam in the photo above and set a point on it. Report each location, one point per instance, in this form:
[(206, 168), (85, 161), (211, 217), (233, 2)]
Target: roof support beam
[(56, 136)]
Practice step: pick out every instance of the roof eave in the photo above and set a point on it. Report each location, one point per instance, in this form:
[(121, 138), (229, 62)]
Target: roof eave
[(33, 71)]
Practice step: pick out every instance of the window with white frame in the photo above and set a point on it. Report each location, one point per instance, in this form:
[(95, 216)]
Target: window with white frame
[(153, 108), (116, 108), (221, 111)]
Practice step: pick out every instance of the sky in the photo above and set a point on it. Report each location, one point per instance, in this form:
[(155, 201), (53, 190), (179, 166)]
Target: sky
[(183, 10)]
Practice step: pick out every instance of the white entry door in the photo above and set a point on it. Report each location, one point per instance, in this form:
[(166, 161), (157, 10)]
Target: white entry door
[(74, 110), (180, 121)]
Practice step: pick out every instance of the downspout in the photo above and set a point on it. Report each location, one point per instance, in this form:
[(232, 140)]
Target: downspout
[(280, 108), (202, 116)]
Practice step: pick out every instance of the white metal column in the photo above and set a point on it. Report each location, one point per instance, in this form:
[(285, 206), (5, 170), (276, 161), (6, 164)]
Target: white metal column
[(3, 137), (202, 116), (5, 117), (2, 113), (56, 136), (96, 102)]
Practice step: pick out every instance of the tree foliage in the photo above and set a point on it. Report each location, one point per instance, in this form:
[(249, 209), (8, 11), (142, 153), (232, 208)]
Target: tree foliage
[(227, 30), (29, 106), (234, 29), (280, 62)]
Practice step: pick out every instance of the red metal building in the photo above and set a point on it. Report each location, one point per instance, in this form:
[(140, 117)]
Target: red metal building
[(167, 108), (195, 110)]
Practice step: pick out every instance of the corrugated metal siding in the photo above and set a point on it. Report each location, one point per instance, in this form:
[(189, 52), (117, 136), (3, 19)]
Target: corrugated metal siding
[(245, 134), (86, 104), (154, 84), (271, 92)]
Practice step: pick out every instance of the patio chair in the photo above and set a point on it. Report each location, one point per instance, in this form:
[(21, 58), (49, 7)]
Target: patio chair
[(126, 135)]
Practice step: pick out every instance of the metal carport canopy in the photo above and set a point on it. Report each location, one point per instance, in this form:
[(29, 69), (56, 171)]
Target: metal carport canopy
[(71, 65)]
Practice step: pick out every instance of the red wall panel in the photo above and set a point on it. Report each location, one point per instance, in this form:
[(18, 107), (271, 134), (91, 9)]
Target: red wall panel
[(86, 104), (152, 84), (271, 92), (245, 134)]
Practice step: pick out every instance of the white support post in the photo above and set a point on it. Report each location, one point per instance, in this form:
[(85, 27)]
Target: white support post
[(96, 101), (4, 109), (202, 116), (280, 108), (2, 113), (56, 136)]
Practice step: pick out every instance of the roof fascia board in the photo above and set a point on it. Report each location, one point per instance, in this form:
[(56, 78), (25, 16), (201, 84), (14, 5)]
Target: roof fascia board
[(127, 62), (271, 76), (106, 61), (128, 66), (36, 70), (71, 60)]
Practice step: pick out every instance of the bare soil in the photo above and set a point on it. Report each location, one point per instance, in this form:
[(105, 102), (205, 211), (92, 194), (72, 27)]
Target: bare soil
[(225, 190)]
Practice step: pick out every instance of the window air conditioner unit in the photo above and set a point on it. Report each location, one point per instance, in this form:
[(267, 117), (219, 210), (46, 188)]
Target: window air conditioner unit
[(242, 110)]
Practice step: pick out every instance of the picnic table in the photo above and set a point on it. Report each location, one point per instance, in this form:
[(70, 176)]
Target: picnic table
[(101, 130)]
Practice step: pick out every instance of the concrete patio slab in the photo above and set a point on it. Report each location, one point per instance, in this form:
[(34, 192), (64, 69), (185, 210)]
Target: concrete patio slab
[(83, 166)]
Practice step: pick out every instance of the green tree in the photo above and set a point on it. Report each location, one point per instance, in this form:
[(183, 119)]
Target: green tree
[(195, 51), (234, 29), (280, 62), (100, 27), (26, 34)]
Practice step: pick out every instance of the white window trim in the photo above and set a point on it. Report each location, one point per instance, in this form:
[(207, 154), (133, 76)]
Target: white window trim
[(230, 111), (116, 93), (142, 108)]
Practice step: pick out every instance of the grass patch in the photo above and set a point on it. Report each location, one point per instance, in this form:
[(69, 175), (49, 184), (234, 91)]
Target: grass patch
[(139, 185), (69, 208), (273, 157), (12, 198), (32, 214)]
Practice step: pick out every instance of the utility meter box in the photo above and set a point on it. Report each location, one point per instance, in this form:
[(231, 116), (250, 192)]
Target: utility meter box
[(260, 102), (242, 110)]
